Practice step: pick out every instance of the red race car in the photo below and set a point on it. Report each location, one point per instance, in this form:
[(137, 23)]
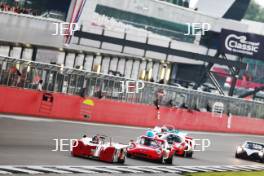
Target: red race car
[(99, 147), (152, 149), (182, 145)]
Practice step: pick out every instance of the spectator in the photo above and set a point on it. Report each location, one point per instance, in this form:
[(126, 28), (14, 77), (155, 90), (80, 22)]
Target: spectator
[(40, 84), (156, 103), (99, 93), (184, 106), (159, 96), (170, 103), (16, 9), (82, 92), (208, 108), (196, 108), (18, 76)]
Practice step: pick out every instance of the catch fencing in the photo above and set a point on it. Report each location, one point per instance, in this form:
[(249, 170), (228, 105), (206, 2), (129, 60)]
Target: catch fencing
[(27, 75)]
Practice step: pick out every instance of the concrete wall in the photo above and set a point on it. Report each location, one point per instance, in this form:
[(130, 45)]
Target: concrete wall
[(162, 10), (28, 29), (121, 113)]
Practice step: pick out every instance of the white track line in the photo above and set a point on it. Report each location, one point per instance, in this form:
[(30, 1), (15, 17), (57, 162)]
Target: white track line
[(122, 169), (199, 169), (45, 169), (126, 169), (76, 169), (145, 169), (101, 169), (163, 169), (15, 169), (217, 168)]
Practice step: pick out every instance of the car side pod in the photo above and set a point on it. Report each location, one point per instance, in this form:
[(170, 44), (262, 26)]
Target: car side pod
[(108, 154), (77, 149)]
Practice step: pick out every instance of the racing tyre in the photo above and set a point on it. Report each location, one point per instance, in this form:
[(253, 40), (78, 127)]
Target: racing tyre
[(237, 155), (161, 160), (262, 160), (121, 161), (128, 155), (185, 154), (169, 160), (189, 154), (122, 158)]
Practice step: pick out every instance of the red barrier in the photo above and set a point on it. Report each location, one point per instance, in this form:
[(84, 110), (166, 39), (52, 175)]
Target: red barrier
[(62, 106)]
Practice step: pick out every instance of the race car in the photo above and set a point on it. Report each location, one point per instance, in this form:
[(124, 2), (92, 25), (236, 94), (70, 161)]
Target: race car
[(182, 144), (157, 130), (251, 150), (99, 147), (148, 147)]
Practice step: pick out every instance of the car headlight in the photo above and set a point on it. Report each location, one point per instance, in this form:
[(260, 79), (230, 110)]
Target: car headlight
[(239, 149), (158, 151)]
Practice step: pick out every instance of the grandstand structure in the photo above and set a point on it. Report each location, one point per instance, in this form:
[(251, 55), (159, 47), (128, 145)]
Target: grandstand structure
[(128, 40)]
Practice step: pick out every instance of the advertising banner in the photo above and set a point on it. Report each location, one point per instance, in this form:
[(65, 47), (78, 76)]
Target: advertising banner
[(242, 44)]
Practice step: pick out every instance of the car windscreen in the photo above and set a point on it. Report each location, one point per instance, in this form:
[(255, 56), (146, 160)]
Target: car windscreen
[(149, 142), (174, 138), (254, 146)]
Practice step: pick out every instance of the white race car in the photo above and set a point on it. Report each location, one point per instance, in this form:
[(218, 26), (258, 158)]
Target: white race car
[(100, 147), (251, 150)]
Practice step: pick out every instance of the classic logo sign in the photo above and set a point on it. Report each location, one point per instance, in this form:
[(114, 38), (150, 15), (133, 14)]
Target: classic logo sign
[(241, 45), (245, 44)]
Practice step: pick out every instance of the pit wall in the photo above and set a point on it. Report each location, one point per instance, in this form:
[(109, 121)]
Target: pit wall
[(69, 107)]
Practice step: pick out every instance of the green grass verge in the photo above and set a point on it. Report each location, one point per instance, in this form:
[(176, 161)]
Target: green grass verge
[(258, 173)]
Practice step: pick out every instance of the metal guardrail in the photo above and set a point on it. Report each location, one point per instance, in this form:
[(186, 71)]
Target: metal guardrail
[(26, 74)]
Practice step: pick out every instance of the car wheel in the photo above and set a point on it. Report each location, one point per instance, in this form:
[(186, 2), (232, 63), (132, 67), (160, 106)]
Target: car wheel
[(262, 160), (237, 155), (128, 155), (189, 154), (162, 160), (123, 157), (115, 157), (73, 154), (121, 161), (169, 160)]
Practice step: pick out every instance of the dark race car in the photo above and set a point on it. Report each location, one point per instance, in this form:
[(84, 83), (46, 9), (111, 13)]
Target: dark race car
[(152, 149), (251, 151), (99, 147)]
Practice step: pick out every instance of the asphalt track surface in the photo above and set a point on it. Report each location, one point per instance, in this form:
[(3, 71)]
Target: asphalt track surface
[(30, 141)]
